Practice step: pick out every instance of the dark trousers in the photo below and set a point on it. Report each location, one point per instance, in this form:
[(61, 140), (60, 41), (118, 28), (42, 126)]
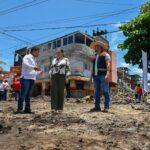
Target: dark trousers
[(139, 97), (57, 92), (1, 95), (5, 95), (27, 86), (136, 96), (67, 90)]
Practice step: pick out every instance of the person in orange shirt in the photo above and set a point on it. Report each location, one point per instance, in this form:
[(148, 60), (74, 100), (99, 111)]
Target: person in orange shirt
[(139, 92)]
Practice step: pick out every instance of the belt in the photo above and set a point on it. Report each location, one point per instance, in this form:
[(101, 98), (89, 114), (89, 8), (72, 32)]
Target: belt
[(102, 69), (59, 74)]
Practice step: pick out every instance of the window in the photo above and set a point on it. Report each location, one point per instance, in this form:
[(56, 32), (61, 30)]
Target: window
[(70, 39), (49, 45), (54, 44), (59, 43), (45, 68), (50, 59), (85, 66), (64, 41), (44, 49)]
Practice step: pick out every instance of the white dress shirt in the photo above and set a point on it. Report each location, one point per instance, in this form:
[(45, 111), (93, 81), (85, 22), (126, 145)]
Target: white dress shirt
[(28, 65), (96, 69), (1, 87), (5, 85)]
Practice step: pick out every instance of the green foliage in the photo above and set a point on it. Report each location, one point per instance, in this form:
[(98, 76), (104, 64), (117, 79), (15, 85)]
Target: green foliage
[(145, 8), (1, 62), (137, 33)]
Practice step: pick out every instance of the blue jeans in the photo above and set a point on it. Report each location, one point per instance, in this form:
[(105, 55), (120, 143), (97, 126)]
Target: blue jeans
[(27, 86), (100, 84), (139, 98)]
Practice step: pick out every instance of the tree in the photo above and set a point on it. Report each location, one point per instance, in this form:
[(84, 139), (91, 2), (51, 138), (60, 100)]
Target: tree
[(1, 62), (1, 68), (137, 32)]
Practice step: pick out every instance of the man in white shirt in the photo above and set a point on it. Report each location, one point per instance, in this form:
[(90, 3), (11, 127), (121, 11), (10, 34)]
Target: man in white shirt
[(28, 76), (5, 86), (1, 91)]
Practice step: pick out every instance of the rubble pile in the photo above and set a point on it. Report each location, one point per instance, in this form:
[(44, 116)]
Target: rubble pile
[(41, 97), (4, 127), (122, 96), (142, 106), (75, 100), (121, 128)]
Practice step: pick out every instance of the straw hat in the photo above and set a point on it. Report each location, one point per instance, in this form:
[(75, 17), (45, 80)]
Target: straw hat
[(98, 43)]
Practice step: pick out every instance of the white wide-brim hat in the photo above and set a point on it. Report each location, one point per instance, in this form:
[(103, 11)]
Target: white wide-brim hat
[(99, 43)]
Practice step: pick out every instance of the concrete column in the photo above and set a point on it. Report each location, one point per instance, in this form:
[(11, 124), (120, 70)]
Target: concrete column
[(73, 38), (84, 39)]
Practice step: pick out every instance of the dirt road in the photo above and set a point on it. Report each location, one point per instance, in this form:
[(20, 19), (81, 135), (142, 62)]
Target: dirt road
[(123, 128)]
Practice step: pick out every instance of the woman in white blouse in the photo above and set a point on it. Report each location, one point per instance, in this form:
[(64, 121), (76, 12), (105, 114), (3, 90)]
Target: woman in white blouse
[(60, 68)]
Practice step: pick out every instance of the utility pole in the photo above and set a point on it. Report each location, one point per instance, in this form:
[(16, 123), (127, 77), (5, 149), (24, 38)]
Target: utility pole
[(1, 62)]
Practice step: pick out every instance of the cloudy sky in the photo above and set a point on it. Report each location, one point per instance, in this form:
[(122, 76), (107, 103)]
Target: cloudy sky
[(30, 22)]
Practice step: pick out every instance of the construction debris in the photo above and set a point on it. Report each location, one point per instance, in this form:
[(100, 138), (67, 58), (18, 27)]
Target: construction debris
[(76, 128)]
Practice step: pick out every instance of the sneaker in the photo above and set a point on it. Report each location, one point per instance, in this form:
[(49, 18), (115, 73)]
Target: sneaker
[(95, 109), (60, 111), (53, 111), (19, 111), (106, 110), (28, 111)]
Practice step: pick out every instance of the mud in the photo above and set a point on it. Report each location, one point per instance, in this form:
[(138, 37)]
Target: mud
[(123, 128)]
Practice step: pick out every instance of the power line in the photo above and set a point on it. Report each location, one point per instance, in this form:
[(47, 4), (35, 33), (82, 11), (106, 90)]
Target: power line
[(85, 23), (8, 48), (22, 6), (79, 26), (22, 37), (116, 13), (105, 15), (58, 21), (112, 14), (16, 38), (101, 2), (24, 45), (25, 42), (67, 27), (20, 46), (110, 32)]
